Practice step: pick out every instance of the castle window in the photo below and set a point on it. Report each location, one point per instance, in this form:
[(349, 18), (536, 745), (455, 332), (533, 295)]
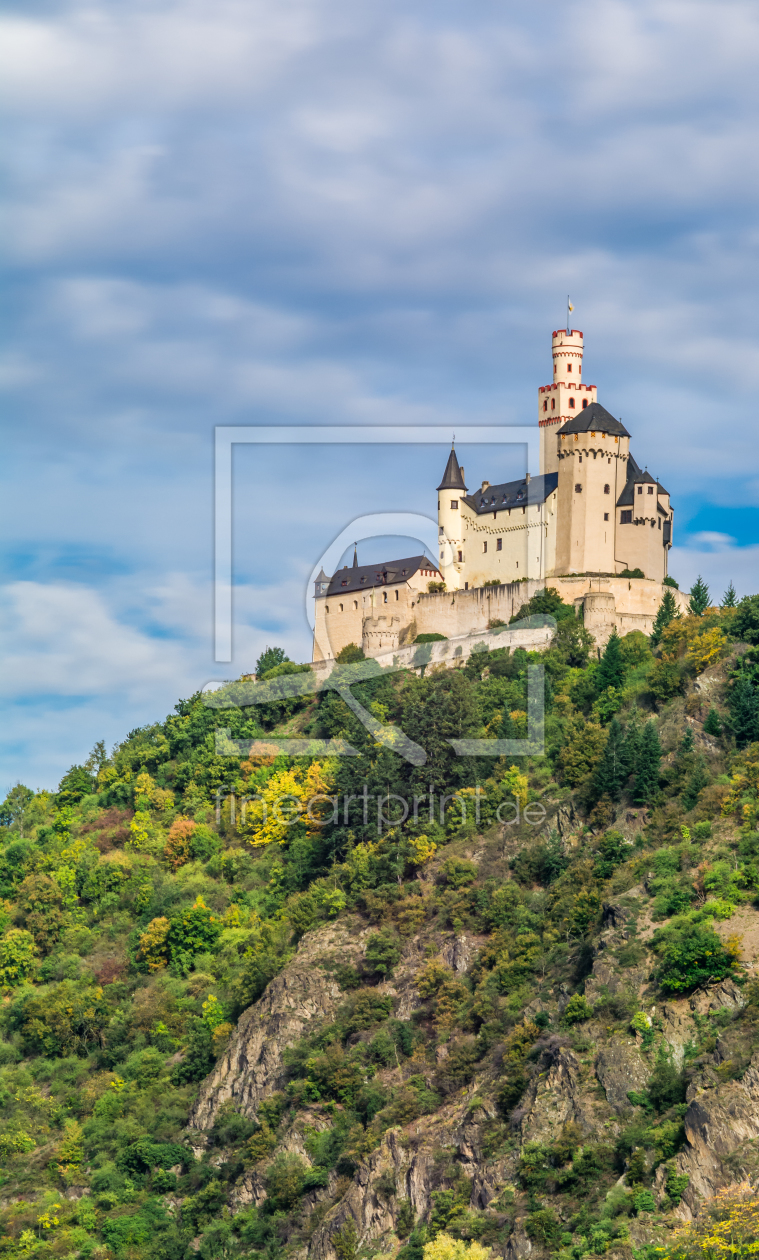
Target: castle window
[(553, 404), (461, 556), (640, 489), (384, 597), (572, 403), (454, 503), (578, 488), (499, 543), (355, 603), (584, 403), (593, 434), (609, 460), (625, 518), (523, 511), (569, 367), (397, 594), (659, 522), (326, 608), (606, 516), (341, 608), (581, 459), (545, 406), (650, 489), (607, 489), (466, 586), (484, 546)]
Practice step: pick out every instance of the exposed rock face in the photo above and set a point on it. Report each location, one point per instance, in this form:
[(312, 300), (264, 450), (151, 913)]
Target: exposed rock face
[(607, 975), (555, 1100), (304, 994), (620, 1067), (720, 1120)]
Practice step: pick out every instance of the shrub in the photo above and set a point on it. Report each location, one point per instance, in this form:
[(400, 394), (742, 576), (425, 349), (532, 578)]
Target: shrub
[(544, 1228), (383, 951), (690, 954), (577, 1009)]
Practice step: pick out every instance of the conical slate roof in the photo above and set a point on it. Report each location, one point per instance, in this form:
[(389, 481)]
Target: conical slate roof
[(452, 478), (595, 418)]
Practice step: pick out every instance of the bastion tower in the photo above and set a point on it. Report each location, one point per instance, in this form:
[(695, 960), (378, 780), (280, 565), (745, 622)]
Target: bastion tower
[(565, 396)]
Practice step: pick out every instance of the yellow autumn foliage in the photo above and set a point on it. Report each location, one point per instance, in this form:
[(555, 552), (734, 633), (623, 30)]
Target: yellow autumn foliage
[(446, 1248), (706, 648), (726, 1228), (290, 796)]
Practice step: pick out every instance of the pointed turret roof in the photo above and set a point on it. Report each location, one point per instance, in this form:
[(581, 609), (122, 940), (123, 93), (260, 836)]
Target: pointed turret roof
[(452, 478), (355, 556)]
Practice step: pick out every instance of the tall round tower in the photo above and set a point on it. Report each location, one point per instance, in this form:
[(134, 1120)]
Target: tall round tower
[(565, 396), (451, 549)]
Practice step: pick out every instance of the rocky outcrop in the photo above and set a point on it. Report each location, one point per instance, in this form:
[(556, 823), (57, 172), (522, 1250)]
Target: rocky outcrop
[(607, 976), (305, 994), (720, 1124), (555, 1099), (620, 1067)]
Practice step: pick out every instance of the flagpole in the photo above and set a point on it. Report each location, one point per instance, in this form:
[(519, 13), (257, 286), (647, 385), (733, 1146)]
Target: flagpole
[(567, 314)]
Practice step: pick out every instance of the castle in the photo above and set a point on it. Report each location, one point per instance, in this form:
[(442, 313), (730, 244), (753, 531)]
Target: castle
[(586, 522)]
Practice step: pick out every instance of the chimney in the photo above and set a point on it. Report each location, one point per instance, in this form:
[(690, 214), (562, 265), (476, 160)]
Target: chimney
[(527, 479), (485, 485)]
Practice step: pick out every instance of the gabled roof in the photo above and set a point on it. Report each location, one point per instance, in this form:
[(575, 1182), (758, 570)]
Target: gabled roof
[(510, 494), (363, 577), (452, 478), (595, 418)]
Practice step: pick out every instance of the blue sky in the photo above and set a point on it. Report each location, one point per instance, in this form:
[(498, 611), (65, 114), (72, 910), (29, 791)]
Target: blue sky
[(316, 212)]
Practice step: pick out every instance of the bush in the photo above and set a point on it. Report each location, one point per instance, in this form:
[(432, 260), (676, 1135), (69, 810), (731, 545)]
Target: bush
[(383, 950), (690, 954), (577, 1009)]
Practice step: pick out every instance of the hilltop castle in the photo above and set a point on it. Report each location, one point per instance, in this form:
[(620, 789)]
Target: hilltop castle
[(589, 519)]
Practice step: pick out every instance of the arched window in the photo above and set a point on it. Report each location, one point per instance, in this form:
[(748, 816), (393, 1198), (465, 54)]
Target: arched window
[(607, 489), (572, 403), (553, 404), (397, 594), (355, 603), (341, 608), (545, 406), (584, 403), (384, 597)]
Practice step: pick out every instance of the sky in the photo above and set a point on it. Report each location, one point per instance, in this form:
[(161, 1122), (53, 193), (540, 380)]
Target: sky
[(231, 212)]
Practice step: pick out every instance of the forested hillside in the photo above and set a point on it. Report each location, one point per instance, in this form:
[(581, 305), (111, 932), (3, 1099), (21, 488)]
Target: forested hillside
[(239, 1020)]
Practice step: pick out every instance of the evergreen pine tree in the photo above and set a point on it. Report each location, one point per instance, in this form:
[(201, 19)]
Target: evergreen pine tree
[(712, 725), (729, 599), (744, 712), (686, 743), (610, 775), (611, 671), (696, 783), (667, 612), (631, 745), (647, 774), (699, 597)]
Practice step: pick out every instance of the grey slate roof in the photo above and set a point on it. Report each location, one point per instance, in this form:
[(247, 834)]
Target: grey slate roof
[(634, 474), (511, 494), (363, 577), (452, 478), (595, 418)]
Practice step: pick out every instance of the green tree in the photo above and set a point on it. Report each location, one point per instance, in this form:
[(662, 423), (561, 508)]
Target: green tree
[(546, 603), (18, 957), (611, 671), (76, 783), (712, 725), (631, 745), (745, 626), (270, 657), (729, 599), (611, 771), (647, 772), (350, 653), (383, 950), (572, 642), (12, 808), (194, 931), (667, 611), (699, 597), (744, 711), (690, 954), (695, 785)]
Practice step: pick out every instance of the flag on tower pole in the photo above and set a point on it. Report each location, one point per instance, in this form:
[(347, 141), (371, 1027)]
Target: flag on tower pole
[(570, 308)]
